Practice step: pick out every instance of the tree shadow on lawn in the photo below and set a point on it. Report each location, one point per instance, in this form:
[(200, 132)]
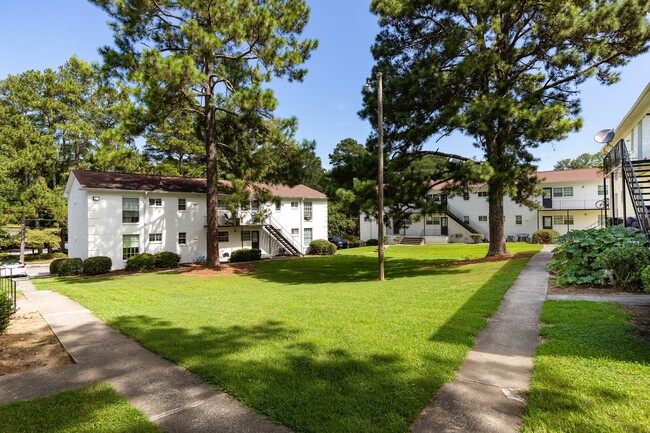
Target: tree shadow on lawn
[(347, 269), (311, 386)]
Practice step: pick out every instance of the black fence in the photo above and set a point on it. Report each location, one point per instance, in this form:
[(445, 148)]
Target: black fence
[(8, 289)]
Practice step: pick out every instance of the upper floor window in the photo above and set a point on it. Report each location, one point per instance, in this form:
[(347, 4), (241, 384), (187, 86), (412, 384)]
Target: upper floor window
[(295, 232), (255, 206), (482, 193), (182, 204), (465, 196), (182, 238), (482, 218), (278, 206), (466, 219), (566, 191), (155, 202), (308, 211), (518, 219), (601, 189), (294, 205), (130, 210), (155, 237)]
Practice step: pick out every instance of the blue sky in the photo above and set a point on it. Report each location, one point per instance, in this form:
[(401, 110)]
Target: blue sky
[(38, 34)]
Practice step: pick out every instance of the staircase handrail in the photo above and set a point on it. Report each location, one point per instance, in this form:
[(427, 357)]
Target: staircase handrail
[(598, 224), (459, 215), (626, 162), (286, 234)]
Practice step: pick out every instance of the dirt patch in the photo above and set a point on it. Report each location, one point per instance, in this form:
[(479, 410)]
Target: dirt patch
[(485, 260), (554, 289), (223, 270), (29, 344), (640, 319)]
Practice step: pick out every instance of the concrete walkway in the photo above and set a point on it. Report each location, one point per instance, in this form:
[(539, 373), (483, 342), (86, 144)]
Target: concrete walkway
[(173, 398), (486, 395), (621, 299)]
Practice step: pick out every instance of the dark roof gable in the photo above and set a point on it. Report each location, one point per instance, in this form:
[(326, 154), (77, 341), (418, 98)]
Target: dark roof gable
[(143, 182)]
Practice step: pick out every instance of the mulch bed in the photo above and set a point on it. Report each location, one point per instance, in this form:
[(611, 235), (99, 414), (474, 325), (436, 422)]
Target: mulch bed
[(223, 270), (485, 260)]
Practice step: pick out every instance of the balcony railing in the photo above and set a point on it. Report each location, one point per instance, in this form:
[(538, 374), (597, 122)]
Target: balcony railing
[(561, 204)]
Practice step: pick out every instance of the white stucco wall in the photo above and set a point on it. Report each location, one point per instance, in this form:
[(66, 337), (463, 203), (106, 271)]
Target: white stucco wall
[(77, 222)]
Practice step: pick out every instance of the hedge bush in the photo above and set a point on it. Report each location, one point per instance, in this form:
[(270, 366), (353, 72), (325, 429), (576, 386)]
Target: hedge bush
[(574, 259), (321, 247), (97, 265), (141, 262), (372, 242), (355, 244), (6, 310), (625, 261), (44, 256), (54, 266), (245, 255), (476, 237), (68, 267), (167, 259), (545, 236), (645, 279)]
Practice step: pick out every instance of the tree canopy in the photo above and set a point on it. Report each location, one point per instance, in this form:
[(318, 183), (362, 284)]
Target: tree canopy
[(585, 160), (505, 73), (213, 59)]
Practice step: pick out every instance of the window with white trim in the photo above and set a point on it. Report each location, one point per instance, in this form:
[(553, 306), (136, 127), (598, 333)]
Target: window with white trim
[(222, 236), (182, 204), (156, 202), (436, 221), (130, 210), (566, 191), (245, 235), (294, 205), (278, 206), (563, 219), (482, 193), (482, 218), (518, 219), (155, 237), (308, 233), (221, 205), (295, 232), (429, 220), (255, 206), (182, 238), (130, 246), (466, 219), (465, 196), (601, 189), (308, 211)]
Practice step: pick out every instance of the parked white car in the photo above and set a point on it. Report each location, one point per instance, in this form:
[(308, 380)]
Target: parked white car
[(13, 269)]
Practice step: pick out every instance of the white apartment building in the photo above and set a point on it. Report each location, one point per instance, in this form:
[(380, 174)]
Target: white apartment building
[(119, 215), (572, 200)]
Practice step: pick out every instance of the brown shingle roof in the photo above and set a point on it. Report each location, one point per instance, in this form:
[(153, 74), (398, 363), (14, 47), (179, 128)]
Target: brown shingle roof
[(143, 182), (570, 175)]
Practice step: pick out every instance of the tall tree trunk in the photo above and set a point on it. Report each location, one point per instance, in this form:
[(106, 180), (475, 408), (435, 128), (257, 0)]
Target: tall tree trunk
[(497, 219), (212, 237), (23, 229)]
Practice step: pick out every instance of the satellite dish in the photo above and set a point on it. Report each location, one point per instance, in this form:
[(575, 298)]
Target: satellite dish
[(604, 136)]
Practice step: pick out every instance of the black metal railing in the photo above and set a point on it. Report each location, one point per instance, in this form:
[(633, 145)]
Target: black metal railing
[(8, 289), (619, 156)]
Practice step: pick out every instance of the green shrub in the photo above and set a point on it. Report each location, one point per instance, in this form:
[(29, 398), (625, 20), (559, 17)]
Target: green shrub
[(6, 310), (625, 261), (54, 266), (574, 260), (97, 265), (321, 247), (8, 258), (141, 262), (68, 267), (355, 244), (372, 242), (476, 237), (44, 256), (167, 259), (645, 279), (545, 236), (245, 255)]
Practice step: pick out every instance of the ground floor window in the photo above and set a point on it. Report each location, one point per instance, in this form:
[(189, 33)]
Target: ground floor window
[(222, 236), (245, 235), (436, 221), (307, 236), (466, 219), (182, 238), (563, 219), (130, 246), (429, 220)]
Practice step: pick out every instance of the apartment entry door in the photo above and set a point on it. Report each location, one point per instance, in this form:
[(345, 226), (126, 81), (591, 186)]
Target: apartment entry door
[(547, 199), (444, 226), (255, 239), (547, 222)]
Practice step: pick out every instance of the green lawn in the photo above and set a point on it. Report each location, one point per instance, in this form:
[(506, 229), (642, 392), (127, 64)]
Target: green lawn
[(591, 373), (440, 253), (93, 409), (316, 344)]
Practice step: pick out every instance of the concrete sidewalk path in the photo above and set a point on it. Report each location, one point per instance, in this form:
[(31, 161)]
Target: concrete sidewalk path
[(486, 395), (621, 299), (173, 398)]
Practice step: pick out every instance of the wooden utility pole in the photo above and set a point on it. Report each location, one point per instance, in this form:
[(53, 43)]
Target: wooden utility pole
[(380, 173)]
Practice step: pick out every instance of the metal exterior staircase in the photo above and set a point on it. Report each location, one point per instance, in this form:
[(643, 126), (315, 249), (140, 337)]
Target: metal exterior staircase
[(282, 237), (457, 216), (637, 179)]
